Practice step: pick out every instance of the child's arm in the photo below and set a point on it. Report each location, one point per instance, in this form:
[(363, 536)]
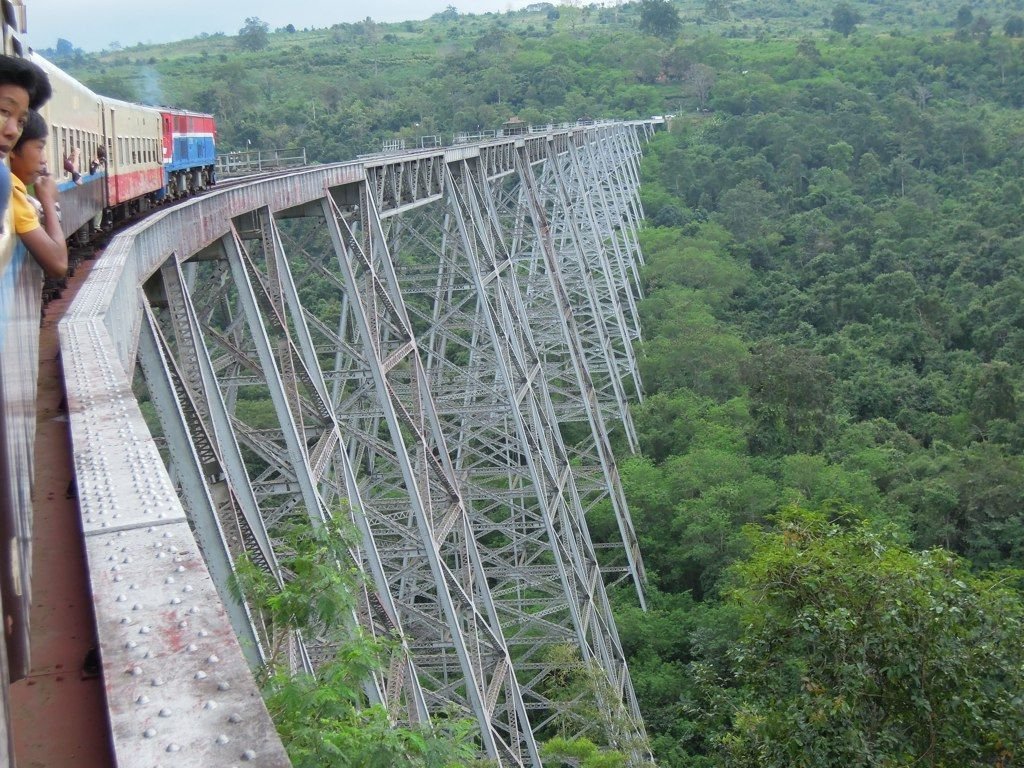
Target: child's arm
[(46, 243)]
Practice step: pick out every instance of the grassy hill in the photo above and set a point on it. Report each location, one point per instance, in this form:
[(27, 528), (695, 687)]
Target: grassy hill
[(340, 90)]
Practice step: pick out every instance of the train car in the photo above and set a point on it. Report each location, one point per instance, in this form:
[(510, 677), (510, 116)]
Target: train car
[(189, 151), (134, 170), (76, 122)]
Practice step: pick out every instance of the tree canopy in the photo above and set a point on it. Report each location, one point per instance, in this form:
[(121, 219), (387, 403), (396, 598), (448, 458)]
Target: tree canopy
[(659, 17), (255, 35)]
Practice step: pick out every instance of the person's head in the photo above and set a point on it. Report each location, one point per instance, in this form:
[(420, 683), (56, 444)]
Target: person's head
[(23, 86), (28, 156)]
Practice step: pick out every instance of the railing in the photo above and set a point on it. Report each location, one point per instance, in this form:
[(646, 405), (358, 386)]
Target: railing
[(259, 160)]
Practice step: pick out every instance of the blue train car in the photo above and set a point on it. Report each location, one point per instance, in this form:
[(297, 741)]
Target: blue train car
[(189, 150)]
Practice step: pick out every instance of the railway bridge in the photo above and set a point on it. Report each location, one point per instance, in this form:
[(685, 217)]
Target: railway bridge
[(435, 346)]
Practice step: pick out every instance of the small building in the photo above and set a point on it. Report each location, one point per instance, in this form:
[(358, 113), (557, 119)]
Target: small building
[(513, 127)]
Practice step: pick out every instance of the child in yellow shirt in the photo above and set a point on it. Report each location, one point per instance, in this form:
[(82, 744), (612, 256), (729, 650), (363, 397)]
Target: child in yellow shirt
[(36, 219)]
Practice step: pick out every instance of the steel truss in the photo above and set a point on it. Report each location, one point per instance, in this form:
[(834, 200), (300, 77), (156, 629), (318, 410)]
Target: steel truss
[(456, 400)]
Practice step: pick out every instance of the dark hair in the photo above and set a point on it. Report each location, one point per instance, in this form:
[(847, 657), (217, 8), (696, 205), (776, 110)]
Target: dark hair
[(35, 128), (28, 75)]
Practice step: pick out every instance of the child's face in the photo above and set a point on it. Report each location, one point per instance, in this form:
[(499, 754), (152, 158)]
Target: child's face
[(13, 112), (28, 162)]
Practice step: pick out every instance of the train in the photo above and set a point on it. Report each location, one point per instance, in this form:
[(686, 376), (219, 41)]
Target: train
[(113, 159)]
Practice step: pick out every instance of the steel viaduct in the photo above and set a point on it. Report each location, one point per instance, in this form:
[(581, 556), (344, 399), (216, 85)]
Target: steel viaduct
[(441, 343)]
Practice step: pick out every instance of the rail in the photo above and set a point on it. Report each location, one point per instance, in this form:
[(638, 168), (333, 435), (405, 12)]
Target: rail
[(259, 160)]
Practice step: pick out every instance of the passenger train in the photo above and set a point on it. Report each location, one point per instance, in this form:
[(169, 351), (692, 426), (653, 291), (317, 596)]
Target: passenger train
[(120, 158)]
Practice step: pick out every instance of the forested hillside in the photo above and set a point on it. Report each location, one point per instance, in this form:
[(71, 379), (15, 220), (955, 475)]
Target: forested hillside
[(830, 498), (832, 434)]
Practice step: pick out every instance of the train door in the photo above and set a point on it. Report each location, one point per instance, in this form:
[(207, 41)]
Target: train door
[(113, 154), (167, 138)]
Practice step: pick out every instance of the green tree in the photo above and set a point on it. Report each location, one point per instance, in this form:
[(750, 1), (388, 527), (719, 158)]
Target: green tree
[(845, 19), (1014, 27), (964, 17), (323, 718), (659, 17), (791, 393), (255, 35), (860, 651)]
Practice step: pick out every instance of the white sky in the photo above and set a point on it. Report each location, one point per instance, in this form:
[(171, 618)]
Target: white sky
[(93, 25)]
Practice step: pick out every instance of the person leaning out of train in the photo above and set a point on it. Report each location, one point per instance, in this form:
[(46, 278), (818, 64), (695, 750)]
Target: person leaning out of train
[(100, 161), (37, 219)]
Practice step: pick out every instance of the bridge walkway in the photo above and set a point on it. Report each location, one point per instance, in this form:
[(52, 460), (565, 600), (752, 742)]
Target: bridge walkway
[(64, 686)]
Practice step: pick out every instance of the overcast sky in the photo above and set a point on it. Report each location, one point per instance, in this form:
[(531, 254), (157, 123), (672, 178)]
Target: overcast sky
[(93, 25)]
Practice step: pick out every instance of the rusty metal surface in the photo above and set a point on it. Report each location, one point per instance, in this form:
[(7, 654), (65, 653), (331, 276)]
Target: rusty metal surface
[(177, 689)]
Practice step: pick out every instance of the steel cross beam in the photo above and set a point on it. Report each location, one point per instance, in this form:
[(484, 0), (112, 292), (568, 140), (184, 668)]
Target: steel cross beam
[(430, 552), (577, 350), (548, 527), (324, 463)]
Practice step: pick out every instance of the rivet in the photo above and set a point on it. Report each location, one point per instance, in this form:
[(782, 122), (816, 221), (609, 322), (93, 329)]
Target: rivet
[(210, 705), (223, 685), (213, 659), (135, 671), (222, 739), (149, 733), (165, 712), (248, 755), (173, 748), (200, 675), (142, 699), (235, 718), (144, 631), (157, 682), (191, 647)]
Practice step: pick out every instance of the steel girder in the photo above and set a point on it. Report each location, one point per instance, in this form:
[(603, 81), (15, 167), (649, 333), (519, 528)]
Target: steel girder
[(581, 346), (250, 332), (453, 262), (416, 507)]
